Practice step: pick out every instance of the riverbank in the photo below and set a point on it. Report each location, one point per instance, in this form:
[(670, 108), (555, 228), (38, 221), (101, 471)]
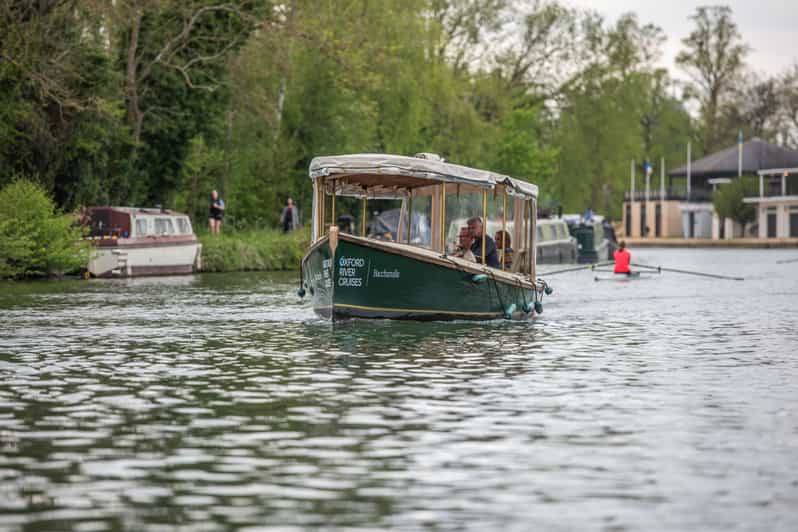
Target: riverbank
[(255, 250), (737, 243)]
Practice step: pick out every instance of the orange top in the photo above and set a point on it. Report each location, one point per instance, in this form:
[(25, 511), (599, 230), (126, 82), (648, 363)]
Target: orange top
[(622, 258)]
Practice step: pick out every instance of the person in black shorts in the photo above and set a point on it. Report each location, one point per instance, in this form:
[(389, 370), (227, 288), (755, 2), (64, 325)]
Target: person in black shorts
[(216, 212)]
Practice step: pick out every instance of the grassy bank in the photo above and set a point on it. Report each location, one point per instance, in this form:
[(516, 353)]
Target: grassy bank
[(254, 250)]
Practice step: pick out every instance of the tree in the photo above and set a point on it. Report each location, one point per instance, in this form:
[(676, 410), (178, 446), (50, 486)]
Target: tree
[(35, 239), (714, 58), (728, 203), (59, 111)]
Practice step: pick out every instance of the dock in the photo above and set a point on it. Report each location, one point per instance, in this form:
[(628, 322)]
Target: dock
[(737, 243)]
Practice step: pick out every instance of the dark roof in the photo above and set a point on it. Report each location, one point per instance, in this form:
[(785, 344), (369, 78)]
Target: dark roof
[(757, 155)]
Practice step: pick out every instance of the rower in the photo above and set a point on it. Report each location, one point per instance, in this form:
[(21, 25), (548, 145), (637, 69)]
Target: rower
[(622, 259)]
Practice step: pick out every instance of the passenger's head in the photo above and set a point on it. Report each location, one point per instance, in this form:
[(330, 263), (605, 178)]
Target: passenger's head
[(289, 202), (214, 194), (464, 238), (502, 239), (622, 244), (475, 227)]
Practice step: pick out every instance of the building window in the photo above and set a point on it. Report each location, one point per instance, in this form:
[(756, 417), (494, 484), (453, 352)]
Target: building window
[(628, 226), (658, 220), (772, 218), (643, 226)]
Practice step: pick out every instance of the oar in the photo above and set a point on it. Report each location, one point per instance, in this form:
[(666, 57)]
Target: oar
[(688, 272), (576, 269)]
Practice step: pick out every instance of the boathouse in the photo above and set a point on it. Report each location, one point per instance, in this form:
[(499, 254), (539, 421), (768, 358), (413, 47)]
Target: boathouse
[(684, 207), (777, 203)]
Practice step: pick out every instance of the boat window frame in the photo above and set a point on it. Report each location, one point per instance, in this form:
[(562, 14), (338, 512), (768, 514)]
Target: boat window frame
[(168, 219), (143, 221)]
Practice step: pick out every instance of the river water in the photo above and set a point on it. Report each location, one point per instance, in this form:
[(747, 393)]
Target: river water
[(220, 402)]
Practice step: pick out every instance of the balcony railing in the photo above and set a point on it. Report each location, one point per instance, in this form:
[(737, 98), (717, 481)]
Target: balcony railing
[(771, 188), (671, 194)]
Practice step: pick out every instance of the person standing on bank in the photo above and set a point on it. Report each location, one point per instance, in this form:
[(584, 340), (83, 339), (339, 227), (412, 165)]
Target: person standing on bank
[(289, 219), (622, 259), (476, 230), (216, 212)]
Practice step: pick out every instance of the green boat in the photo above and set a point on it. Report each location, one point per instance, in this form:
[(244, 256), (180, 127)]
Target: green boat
[(411, 272)]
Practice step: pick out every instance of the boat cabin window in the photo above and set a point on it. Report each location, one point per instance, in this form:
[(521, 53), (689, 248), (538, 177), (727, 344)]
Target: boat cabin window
[(141, 227), (539, 231), (598, 232), (562, 231), (433, 216), (183, 226), (164, 226)]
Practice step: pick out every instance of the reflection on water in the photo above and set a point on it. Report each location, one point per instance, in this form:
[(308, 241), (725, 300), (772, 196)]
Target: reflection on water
[(220, 401)]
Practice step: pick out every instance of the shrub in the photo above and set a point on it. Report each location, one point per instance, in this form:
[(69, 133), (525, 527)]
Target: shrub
[(728, 203), (253, 250), (35, 240)]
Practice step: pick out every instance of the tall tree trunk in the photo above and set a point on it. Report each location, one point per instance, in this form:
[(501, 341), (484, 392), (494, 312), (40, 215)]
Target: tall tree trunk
[(134, 114)]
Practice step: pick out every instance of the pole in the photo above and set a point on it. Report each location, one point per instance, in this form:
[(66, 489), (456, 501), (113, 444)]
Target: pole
[(363, 223), (689, 162), (504, 225), (662, 179), (632, 181), (322, 208), (740, 154), (332, 205), (409, 215), (578, 268), (688, 272), (484, 220), (443, 218), (531, 228)]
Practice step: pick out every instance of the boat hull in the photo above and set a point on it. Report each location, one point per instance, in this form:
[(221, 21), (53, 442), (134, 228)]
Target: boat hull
[(131, 259), (358, 279)]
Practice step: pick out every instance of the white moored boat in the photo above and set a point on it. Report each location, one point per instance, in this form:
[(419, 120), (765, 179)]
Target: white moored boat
[(131, 241)]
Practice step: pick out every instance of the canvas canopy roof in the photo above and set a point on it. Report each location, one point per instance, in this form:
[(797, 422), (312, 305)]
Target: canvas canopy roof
[(395, 175), (757, 155)]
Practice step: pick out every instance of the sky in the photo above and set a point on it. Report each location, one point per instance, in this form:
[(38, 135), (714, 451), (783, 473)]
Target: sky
[(769, 27)]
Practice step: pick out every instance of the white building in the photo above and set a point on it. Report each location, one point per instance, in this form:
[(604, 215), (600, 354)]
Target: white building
[(777, 203)]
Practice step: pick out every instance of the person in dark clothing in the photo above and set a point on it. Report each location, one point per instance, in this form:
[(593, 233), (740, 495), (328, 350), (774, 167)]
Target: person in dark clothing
[(216, 212), (502, 239), (476, 230), (289, 219)]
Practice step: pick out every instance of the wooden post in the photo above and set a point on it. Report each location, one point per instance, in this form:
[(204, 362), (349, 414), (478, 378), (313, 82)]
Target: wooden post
[(409, 215), (533, 217), (484, 221), (365, 213), (443, 218), (504, 225), (322, 208), (332, 205)]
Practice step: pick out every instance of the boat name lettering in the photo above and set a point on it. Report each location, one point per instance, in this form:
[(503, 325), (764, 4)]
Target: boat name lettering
[(350, 281), (326, 263), (387, 274), (351, 261)]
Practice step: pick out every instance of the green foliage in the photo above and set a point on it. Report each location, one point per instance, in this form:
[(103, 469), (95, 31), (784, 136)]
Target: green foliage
[(728, 202), (160, 102), (35, 240), (253, 250)]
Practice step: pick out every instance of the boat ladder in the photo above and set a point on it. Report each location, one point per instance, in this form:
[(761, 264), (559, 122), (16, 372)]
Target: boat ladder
[(122, 266)]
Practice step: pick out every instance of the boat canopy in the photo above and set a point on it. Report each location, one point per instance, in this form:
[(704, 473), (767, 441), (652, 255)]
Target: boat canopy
[(379, 175)]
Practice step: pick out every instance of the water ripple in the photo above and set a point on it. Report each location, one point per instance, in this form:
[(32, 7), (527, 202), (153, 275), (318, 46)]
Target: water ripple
[(221, 402)]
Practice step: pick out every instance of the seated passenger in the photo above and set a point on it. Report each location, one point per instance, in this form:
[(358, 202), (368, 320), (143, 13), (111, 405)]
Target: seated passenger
[(491, 257), (503, 244), (463, 248)]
